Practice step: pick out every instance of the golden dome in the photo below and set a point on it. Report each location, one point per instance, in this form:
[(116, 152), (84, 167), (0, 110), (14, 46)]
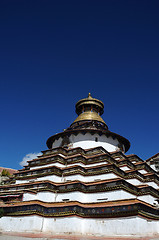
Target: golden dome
[(89, 116), (89, 109)]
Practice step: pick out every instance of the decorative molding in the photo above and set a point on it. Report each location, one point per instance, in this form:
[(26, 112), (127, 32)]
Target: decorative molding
[(137, 208)]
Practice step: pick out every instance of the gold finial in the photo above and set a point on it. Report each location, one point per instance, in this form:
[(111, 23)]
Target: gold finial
[(89, 95)]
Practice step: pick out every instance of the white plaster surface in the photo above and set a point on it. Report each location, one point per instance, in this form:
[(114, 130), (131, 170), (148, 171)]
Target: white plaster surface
[(134, 181), (125, 168), (21, 224), (153, 166), (78, 177), (47, 196), (69, 165), (142, 171), (78, 196), (137, 182), (147, 198), (134, 226), (88, 141), (152, 184)]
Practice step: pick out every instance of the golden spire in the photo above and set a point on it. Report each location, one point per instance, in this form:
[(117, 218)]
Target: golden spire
[(89, 109), (89, 95)]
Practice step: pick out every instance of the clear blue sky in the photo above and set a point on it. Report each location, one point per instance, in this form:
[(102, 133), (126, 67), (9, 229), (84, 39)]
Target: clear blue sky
[(52, 53)]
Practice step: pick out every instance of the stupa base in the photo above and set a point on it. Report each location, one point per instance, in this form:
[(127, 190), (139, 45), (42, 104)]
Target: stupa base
[(81, 227)]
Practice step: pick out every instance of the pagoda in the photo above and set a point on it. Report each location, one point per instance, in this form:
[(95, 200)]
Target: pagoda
[(84, 184)]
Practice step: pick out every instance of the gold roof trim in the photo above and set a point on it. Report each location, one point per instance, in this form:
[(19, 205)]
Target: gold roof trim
[(89, 116)]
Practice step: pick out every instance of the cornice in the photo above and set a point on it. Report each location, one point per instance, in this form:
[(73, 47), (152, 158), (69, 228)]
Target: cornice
[(92, 187), (85, 171), (111, 209)]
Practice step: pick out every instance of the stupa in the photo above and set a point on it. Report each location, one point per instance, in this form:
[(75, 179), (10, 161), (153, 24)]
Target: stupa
[(84, 184)]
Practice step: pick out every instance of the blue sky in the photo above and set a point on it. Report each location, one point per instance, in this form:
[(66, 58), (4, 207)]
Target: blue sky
[(52, 53)]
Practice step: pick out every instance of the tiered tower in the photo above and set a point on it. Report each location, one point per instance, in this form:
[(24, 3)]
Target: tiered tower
[(84, 184)]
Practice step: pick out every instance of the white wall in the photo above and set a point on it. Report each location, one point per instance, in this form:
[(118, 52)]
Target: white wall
[(142, 171), (153, 166), (138, 182), (78, 196), (125, 168), (68, 165), (130, 226), (88, 141), (147, 198), (78, 177), (21, 224), (47, 196)]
